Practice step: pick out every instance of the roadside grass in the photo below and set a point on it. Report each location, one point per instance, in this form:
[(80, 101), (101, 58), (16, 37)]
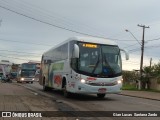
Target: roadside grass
[(129, 87), (133, 88)]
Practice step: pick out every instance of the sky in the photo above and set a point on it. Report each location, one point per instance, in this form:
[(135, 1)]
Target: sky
[(28, 28)]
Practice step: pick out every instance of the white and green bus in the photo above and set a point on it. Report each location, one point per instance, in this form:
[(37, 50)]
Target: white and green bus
[(86, 65)]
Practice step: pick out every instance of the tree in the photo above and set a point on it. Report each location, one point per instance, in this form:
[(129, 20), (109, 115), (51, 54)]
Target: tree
[(156, 69), (129, 76), (147, 74)]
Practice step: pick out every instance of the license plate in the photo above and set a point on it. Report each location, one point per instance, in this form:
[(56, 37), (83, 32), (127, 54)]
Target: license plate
[(102, 90)]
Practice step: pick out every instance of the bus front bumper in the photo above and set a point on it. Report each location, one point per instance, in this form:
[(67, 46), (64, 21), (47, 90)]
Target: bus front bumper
[(26, 79), (90, 89)]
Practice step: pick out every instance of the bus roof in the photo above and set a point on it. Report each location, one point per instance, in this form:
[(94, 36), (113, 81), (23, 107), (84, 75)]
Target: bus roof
[(86, 39), (93, 40)]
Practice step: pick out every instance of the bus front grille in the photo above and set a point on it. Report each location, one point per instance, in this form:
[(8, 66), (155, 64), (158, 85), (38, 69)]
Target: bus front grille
[(103, 84)]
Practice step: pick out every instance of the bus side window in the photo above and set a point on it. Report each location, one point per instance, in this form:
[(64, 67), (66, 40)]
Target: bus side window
[(47, 61)]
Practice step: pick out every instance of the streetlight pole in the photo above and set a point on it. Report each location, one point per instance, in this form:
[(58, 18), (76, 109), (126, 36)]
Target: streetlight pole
[(133, 36), (142, 50)]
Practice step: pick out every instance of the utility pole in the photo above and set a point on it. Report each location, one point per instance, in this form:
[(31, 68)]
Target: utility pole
[(150, 62), (142, 50)]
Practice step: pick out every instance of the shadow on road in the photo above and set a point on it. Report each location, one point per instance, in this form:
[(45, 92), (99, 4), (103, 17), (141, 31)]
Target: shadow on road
[(79, 97)]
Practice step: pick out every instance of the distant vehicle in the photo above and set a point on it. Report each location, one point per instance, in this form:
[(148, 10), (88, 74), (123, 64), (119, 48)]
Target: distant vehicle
[(13, 75), (6, 79), (2, 72), (1, 76), (86, 65), (26, 73)]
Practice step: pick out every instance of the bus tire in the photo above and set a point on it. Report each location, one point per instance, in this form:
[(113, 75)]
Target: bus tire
[(101, 95), (45, 88), (65, 92)]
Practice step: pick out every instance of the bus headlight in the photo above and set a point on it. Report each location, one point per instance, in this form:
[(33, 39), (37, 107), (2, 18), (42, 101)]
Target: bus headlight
[(119, 81), (22, 78), (32, 78), (83, 80)]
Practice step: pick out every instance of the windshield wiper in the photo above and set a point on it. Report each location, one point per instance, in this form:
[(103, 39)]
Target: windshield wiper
[(107, 65), (96, 65)]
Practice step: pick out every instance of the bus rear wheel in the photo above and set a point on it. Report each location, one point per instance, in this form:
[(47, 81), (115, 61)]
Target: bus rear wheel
[(101, 95), (45, 88)]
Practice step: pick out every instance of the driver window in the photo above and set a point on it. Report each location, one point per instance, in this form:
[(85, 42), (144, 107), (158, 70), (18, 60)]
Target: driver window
[(84, 60), (93, 58)]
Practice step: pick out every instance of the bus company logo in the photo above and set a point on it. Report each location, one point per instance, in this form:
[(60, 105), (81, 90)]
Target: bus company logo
[(6, 114)]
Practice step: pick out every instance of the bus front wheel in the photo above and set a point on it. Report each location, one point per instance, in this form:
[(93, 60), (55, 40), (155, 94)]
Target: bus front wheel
[(101, 95), (65, 92)]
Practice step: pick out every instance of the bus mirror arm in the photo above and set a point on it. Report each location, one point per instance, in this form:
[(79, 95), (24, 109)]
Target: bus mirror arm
[(76, 51), (126, 54)]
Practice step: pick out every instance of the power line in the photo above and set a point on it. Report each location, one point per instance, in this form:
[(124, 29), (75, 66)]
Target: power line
[(23, 42), (45, 13), (48, 23), (60, 27), (21, 52), (130, 45), (15, 58), (20, 55), (71, 22), (40, 9), (153, 39), (150, 47)]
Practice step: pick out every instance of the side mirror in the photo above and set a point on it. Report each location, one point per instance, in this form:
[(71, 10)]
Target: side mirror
[(126, 54), (76, 51)]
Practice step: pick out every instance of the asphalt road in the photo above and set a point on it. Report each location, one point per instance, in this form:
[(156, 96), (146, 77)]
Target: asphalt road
[(16, 98), (112, 102)]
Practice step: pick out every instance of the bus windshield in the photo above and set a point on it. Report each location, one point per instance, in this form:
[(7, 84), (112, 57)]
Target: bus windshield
[(99, 60), (28, 66), (27, 73)]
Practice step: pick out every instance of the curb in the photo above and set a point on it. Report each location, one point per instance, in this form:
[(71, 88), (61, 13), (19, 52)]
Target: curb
[(138, 96)]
